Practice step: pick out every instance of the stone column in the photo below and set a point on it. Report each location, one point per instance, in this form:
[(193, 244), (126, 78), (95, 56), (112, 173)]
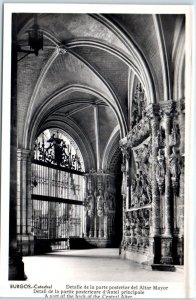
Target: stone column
[(154, 120), (24, 202), (180, 210), (166, 251), (153, 115), (16, 265), (95, 226), (124, 192)]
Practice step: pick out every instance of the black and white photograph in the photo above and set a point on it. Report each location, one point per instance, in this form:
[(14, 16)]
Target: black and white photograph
[(98, 104)]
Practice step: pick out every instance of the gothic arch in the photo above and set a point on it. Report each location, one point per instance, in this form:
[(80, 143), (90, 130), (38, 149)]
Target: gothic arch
[(30, 132)]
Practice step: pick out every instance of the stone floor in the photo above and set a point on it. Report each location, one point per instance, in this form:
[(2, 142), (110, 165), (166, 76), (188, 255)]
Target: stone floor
[(92, 265)]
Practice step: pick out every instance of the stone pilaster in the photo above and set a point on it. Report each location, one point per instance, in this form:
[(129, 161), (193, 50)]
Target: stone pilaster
[(180, 210), (16, 265), (24, 203), (180, 213), (166, 249), (124, 189), (152, 113)]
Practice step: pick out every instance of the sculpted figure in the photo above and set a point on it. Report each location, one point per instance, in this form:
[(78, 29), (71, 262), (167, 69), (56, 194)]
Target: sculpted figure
[(100, 203), (90, 205), (174, 164), (160, 170)]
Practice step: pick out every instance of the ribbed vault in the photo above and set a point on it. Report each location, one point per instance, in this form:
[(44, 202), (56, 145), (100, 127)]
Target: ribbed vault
[(84, 79)]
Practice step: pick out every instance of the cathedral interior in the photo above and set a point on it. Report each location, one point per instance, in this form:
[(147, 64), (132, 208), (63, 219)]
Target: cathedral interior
[(97, 136)]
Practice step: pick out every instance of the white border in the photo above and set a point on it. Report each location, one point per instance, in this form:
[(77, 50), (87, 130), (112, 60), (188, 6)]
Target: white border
[(10, 8)]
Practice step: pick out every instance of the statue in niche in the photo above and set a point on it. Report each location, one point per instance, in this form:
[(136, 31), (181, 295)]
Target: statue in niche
[(100, 204), (175, 168), (106, 208), (160, 170), (106, 204), (90, 204), (111, 202), (174, 136)]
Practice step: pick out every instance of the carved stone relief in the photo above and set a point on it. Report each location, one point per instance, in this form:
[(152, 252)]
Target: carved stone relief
[(160, 171), (175, 167), (99, 204), (155, 142), (137, 229)]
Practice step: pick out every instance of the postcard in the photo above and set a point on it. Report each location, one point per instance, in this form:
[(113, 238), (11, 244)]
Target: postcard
[(97, 131)]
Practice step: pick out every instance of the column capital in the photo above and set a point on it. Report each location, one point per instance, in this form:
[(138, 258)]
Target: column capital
[(168, 107), (23, 154), (152, 110)]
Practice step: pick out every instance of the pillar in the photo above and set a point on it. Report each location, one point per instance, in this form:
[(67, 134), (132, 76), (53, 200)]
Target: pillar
[(24, 203), (124, 190), (155, 241), (166, 248), (180, 210), (16, 265)]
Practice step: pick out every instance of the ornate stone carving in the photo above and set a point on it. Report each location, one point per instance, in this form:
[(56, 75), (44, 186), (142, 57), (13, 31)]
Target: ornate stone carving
[(139, 132), (160, 171), (168, 107), (89, 204), (61, 49), (138, 105), (174, 136), (160, 138), (137, 229), (166, 250), (175, 167), (152, 111), (141, 189), (100, 204)]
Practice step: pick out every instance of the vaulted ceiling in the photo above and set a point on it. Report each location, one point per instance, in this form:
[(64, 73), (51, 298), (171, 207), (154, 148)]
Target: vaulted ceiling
[(83, 79)]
